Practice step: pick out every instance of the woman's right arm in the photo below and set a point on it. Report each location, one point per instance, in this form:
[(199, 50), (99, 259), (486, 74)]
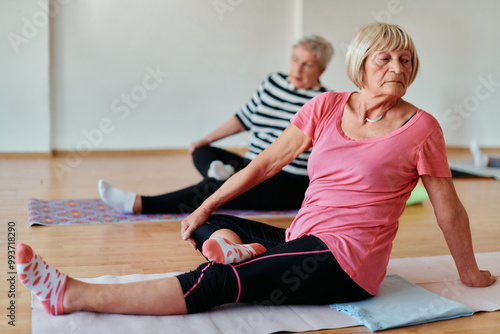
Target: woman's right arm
[(280, 153), (228, 128)]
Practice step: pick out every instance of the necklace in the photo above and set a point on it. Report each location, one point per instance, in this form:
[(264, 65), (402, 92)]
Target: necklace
[(376, 119), (380, 117)]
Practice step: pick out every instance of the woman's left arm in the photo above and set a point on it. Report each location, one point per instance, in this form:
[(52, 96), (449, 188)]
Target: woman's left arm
[(454, 222)]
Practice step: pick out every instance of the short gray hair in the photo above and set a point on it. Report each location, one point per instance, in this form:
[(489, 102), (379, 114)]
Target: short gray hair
[(377, 36), (320, 46)]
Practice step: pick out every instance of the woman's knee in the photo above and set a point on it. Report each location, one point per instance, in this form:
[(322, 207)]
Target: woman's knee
[(201, 151), (214, 223), (206, 154), (209, 285)]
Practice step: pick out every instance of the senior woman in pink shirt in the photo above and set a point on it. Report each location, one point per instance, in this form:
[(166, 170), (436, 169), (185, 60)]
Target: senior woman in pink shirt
[(370, 149)]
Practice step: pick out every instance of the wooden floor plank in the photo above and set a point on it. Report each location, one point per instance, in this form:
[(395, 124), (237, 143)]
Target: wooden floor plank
[(91, 251)]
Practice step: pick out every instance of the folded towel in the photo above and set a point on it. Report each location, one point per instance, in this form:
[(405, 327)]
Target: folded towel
[(401, 303)]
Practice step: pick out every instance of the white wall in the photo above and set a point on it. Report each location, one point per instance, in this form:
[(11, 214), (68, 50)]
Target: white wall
[(24, 76), (457, 43), (209, 62)]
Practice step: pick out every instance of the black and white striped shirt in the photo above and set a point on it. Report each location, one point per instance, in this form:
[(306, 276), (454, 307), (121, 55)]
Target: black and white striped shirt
[(268, 114)]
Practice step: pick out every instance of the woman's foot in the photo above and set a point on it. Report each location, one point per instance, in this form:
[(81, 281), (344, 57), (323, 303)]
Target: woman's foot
[(224, 251), (121, 200), (46, 282)]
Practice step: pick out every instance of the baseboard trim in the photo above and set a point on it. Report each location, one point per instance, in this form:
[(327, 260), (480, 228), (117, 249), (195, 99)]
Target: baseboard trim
[(57, 153), (21, 155), (238, 150), (137, 152)]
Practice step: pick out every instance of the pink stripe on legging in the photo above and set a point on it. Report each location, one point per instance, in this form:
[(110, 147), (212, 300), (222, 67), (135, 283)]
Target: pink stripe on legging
[(284, 254), (266, 257), (239, 283), (233, 266), (199, 280)]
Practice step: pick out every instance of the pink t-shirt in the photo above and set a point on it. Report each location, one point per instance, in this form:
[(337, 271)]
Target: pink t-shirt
[(358, 188)]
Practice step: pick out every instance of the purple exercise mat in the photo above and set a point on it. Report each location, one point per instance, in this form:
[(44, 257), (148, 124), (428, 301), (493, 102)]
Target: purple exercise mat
[(95, 212)]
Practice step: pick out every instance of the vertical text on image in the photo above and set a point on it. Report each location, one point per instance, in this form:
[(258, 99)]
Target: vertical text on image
[(11, 273)]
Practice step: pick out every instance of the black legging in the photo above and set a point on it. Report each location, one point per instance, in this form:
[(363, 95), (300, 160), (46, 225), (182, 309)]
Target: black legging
[(301, 271), (284, 191)]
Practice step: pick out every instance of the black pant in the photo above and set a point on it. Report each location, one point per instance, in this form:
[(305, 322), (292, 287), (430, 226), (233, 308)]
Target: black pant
[(301, 271), (284, 191)]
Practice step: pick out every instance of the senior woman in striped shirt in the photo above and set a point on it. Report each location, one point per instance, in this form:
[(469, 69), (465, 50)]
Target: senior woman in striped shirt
[(266, 115)]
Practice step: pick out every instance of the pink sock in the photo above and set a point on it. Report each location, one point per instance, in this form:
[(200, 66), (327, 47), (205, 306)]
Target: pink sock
[(46, 282), (224, 251)]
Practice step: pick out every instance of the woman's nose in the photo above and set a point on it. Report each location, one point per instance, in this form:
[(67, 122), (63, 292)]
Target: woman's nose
[(396, 66)]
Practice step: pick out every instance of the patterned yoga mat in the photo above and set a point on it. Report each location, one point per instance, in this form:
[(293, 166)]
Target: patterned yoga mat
[(96, 212)]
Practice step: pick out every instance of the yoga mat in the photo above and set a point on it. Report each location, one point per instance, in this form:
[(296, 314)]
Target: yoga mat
[(468, 167), (423, 271), (435, 272), (96, 212), (230, 318)]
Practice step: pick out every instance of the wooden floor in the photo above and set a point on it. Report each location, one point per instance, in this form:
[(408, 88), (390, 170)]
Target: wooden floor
[(91, 251)]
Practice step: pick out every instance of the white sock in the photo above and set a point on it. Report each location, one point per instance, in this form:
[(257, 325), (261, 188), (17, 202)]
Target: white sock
[(480, 159), (121, 200), (219, 171)]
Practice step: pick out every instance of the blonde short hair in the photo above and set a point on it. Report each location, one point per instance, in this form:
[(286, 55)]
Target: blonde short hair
[(377, 36), (320, 46)]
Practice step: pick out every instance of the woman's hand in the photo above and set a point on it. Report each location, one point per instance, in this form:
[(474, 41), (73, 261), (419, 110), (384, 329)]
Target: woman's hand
[(228, 128), (192, 222), (483, 279)]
